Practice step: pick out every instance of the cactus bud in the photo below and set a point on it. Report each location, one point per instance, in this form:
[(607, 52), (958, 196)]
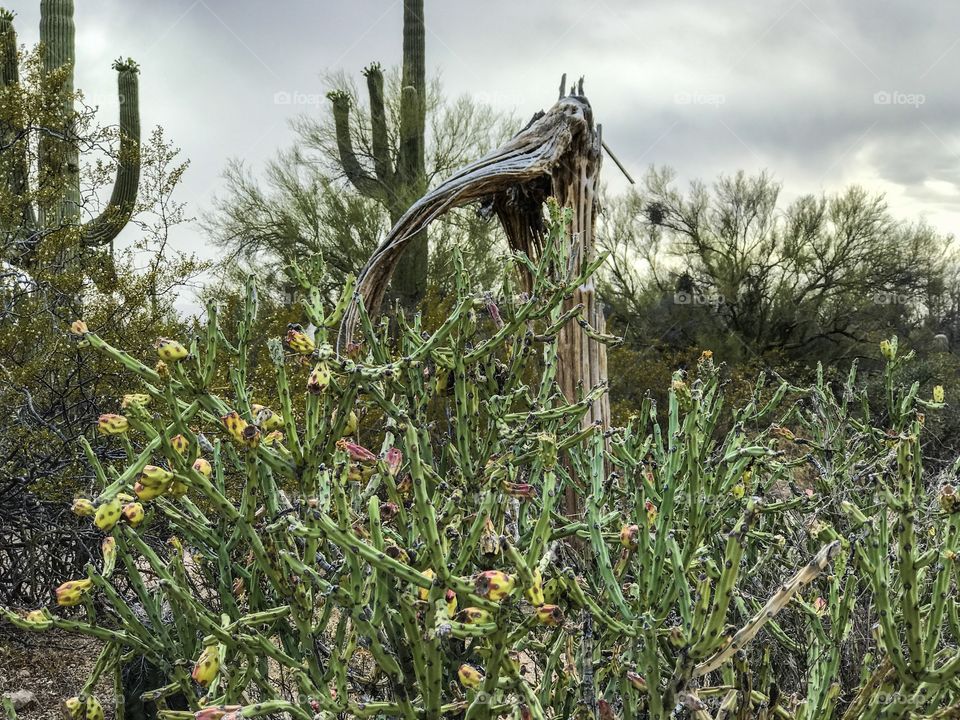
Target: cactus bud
[(638, 681), (203, 467), (71, 592), (319, 379), (108, 514), (676, 637), (629, 535), (298, 341), (651, 510), (170, 350), (393, 459), (938, 394), (547, 450), (475, 616), (79, 328), (888, 348), (207, 666), (180, 444), (112, 424), (494, 585), (820, 607), (83, 508), (133, 513), (38, 619), (948, 498), (357, 453), (109, 549), (469, 676), (135, 399), (550, 615)]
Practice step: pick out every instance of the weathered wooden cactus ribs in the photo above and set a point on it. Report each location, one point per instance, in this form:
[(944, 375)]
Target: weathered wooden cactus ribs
[(558, 154)]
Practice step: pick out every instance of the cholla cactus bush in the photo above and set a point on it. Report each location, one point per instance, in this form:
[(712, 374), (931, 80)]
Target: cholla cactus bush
[(391, 535)]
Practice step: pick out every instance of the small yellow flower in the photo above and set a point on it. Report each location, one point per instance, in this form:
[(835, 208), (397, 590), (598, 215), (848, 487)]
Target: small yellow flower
[(938, 394), (78, 327)]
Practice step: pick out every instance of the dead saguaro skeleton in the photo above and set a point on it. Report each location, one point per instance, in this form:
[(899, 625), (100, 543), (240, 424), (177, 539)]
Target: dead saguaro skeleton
[(558, 154)]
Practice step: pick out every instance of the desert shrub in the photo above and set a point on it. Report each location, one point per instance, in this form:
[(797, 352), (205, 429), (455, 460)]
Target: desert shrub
[(454, 541)]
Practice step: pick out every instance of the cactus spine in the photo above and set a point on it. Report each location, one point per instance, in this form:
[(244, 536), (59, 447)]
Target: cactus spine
[(58, 155), (396, 182)]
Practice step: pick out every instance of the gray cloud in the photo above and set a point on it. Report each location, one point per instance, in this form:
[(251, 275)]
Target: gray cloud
[(705, 86)]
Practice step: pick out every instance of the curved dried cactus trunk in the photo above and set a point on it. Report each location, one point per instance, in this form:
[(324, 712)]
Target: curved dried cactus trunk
[(59, 159), (557, 155)]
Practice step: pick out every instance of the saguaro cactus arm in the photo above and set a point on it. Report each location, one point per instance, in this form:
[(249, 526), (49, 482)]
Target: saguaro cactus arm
[(365, 183), (382, 163), (105, 227), (11, 137)]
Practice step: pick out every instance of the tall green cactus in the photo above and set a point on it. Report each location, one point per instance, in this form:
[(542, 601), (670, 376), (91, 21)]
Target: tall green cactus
[(58, 160), (396, 181)]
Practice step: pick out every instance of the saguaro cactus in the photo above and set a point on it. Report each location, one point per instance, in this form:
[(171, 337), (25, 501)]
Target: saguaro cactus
[(45, 214), (397, 182)]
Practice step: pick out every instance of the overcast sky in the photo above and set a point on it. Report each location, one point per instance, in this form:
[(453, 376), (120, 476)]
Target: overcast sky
[(822, 93)]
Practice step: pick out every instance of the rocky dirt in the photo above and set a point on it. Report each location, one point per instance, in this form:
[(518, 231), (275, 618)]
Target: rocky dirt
[(52, 665)]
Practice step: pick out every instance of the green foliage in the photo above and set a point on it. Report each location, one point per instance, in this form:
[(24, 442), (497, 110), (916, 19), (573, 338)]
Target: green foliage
[(388, 538)]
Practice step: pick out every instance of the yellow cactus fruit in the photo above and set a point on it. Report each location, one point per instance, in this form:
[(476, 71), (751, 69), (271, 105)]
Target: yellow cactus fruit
[(475, 616), (145, 493), (629, 534), (423, 592), (154, 476), (108, 514), (177, 489), (170, 350), (299, 341), (451, 598), (112, 424), (319, 379), (494, 585), (535, 591), (71, 592), (135, 399), (207, 665), (203, 467), (83, 507), (938, 394), (550, 615), (180, 444), (133, 513), (469, 676)]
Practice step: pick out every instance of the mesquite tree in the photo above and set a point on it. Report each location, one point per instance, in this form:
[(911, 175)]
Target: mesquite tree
[(398, 179)]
